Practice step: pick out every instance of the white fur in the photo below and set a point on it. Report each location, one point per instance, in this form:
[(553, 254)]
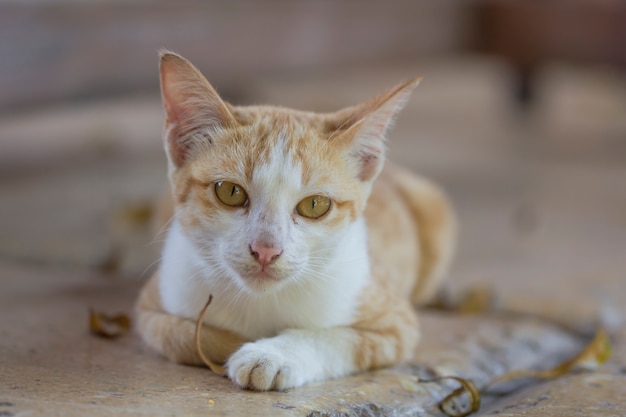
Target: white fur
[(293, 358), (313, 302), (301, 326)]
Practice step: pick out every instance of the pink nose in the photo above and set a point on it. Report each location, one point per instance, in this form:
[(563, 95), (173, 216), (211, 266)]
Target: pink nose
[(265, 253)]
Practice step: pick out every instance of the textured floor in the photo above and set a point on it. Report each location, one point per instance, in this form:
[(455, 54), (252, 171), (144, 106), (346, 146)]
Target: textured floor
[(542, 205)]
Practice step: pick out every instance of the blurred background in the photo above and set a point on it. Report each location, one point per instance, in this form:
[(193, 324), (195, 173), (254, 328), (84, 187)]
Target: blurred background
[(521, 117)]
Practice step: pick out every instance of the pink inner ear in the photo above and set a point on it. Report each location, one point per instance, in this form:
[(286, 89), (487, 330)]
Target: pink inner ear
[(177, 146), (172, 110), (370, 161)]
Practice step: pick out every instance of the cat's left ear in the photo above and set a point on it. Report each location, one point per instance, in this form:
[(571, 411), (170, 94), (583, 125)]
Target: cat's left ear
[(362, 127), (191, 105)]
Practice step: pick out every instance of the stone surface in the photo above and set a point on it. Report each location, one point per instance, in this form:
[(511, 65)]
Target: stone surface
[(598, 394)]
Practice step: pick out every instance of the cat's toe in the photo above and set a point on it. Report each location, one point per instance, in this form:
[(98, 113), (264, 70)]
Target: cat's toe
[(253, 367), (258, 375)]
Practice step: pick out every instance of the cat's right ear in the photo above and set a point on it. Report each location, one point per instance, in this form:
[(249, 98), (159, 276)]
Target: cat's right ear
[(191, 106), (362, 128)]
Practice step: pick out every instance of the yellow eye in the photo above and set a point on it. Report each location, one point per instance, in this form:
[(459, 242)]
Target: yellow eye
[(314, 206), (231, 194)]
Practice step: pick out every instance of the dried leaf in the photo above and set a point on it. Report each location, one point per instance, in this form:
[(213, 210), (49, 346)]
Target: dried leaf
[(218, 369), (596, 353), (475, 300), (463, 401), (108, 327), (133, 215), (591, 357)]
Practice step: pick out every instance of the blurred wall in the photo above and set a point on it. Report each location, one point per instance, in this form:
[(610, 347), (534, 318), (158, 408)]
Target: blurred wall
[(67, 49)]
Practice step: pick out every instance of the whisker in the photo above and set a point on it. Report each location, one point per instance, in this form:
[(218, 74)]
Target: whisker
[(162, 230), (150, 266)]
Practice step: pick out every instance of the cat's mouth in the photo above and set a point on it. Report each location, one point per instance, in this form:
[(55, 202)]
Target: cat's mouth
[(262, 283), (264, 277), (261, 279)]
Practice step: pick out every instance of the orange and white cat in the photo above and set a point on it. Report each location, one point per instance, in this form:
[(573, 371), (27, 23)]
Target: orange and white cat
[(314, 254)]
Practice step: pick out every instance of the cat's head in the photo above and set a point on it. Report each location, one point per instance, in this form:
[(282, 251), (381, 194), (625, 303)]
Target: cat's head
[(267, 194)]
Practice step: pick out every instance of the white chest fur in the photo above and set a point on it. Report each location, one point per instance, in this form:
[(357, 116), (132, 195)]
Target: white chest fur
[(328, 297)]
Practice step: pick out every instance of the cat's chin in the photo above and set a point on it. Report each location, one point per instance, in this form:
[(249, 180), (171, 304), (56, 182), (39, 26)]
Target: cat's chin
[(262, 281)]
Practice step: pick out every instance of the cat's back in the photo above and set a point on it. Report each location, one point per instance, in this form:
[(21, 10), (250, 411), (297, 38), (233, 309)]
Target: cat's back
[(411, 233)]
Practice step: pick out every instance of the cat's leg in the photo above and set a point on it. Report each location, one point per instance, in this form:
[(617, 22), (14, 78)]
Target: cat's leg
[(436, 226), (386, 333), (174, 336)]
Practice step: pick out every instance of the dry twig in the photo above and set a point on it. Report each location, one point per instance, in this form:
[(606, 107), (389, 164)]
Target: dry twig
[(218, 369)]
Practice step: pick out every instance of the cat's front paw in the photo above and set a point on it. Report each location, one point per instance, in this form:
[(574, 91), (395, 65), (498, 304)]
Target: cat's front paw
[(260, 366)]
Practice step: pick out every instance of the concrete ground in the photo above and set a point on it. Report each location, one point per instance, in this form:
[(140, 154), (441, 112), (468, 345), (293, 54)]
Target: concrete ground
[(541, 199)]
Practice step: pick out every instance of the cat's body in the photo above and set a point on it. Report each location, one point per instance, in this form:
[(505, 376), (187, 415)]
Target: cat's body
[(303, 263)]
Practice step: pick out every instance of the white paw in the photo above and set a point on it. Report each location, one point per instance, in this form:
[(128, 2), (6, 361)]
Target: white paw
[(260, 366)]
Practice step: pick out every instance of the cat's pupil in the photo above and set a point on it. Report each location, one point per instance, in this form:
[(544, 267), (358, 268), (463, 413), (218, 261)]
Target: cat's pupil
[(233, 191), (313, 203)]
